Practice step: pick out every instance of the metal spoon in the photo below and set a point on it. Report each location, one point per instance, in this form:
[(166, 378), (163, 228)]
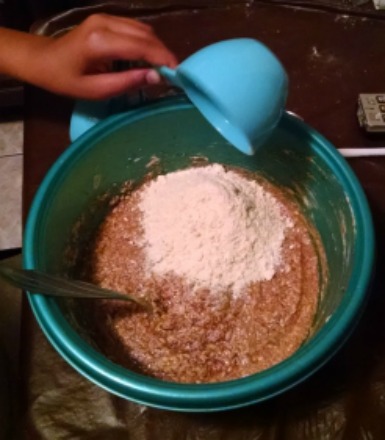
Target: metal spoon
[(35, 281)]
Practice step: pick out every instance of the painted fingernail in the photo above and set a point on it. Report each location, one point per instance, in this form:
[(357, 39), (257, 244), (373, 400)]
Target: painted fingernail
[(153, 77)]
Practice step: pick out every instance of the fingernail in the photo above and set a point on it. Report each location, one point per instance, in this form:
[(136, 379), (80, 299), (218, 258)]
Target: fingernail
[(153, 77)]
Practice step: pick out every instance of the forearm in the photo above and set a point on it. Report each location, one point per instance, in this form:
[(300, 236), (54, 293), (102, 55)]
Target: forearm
[(20, 53)]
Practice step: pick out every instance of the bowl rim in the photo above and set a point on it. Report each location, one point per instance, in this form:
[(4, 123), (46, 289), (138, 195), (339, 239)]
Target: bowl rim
[(214, 396)]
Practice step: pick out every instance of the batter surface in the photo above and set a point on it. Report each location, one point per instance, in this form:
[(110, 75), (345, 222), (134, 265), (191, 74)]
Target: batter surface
[(201, 337)]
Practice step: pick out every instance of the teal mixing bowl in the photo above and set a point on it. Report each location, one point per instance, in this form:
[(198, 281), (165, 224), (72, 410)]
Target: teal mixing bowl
[(296, 157)]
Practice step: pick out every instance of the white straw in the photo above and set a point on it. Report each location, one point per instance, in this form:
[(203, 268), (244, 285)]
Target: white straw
[(362, 152)]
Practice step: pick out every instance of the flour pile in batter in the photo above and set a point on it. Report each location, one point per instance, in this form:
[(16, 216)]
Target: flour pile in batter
[(229, 263), (213, 227)]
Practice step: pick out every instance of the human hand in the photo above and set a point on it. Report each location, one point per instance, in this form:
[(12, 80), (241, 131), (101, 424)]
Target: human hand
[(78, 63)]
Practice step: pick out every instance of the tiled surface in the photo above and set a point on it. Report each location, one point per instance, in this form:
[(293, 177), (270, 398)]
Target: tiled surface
[(11, 166), (11, 138), (11, 169)]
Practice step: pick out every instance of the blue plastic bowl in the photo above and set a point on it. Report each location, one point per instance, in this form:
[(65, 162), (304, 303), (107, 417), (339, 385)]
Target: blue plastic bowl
[(295, 157)]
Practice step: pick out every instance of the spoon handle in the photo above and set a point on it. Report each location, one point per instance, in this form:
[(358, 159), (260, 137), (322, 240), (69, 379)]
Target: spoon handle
[(39, 282)]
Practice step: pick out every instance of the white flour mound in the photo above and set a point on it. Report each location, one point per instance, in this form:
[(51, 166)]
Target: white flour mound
[(213, 227)]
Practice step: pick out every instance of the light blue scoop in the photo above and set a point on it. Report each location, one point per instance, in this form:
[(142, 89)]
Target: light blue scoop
[(238, 85)]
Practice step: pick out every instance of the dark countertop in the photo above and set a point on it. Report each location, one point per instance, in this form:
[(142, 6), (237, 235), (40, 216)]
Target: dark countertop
[(330, 57)]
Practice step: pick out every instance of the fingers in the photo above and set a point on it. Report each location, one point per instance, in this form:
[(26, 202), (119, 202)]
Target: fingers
[(104, 20), (114, 38), (78, 64), (118, 25), (103, 86)]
